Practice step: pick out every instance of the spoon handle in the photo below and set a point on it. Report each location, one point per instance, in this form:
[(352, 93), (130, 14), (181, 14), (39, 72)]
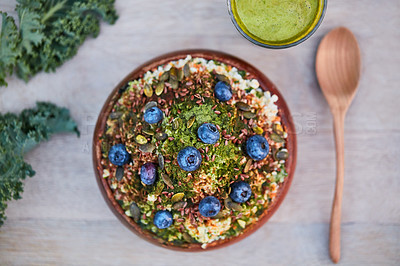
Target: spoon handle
[(334, 234)]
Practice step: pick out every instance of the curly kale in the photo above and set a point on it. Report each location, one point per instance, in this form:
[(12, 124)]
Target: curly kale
[(18, 135), (49, 33)]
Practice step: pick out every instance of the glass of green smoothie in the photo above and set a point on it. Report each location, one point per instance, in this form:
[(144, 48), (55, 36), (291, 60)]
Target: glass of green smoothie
[(277, 23)]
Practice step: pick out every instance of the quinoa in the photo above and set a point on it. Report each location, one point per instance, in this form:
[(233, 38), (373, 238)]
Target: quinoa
[(184, 91)]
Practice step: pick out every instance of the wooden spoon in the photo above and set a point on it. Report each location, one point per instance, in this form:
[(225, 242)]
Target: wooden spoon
[(338, 67)]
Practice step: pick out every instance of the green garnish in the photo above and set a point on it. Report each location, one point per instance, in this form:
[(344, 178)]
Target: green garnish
[(49, 33), (18, 135)]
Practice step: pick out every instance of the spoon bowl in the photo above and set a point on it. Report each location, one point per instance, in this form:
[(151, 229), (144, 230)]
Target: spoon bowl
[(338, 67)]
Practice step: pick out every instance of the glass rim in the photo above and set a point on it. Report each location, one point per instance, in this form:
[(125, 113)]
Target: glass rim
[(245, 35)]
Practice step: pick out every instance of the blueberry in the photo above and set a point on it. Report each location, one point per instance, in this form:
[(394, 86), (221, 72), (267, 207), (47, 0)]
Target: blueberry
[(208, 133), (223, 91), (148, 173), (189, 159), (163, 219), (118, 155), (240, 192), (209, 206), (257, 147), (153, 115)]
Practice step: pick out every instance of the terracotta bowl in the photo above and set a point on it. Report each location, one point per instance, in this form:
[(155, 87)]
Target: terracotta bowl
[(265, 84)]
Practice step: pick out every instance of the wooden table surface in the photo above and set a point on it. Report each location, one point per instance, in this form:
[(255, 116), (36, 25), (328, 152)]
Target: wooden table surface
[(63, 219)]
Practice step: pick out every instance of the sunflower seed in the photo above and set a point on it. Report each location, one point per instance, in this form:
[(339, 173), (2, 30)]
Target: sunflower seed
[(119, 174), (191, 121), (247, 167), (186, 70), (249, 114), (149, 105), (164, 76), (159, 88), (161, 161), (161, 136), (135, 212), (148, 90), (177, 197), (167, 180), (243, 106), (178, 205), (148, 147), (140, 139)]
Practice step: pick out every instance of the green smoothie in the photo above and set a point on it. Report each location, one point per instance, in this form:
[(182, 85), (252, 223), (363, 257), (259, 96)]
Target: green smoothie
[(277, 21)]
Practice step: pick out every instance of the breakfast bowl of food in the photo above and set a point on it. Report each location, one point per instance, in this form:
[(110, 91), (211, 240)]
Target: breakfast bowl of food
[(194, 150)]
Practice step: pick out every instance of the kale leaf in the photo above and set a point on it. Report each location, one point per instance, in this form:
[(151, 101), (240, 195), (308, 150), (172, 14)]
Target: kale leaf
[(18, 135), (49, 33)]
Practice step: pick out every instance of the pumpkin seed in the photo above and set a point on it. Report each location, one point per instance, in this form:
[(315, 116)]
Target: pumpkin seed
[(236, 207), (186, 70), (220, 215), (148, 147), (191, 121), (174, 84), (178, 205), (164, 76), (149, 105), (180, 74), (115, 115), (281, 154), (243, 106), (140, 139), (148, 90), (278, 129), (161, 161), (276, 138), (258, 130), (161, 136), (249, 114), (159, 88), (175, 123), (166, 180), (222, 78), (148, 132), (247, 166), (229, 204), (187, 237), (119, 174), (173, 74), (177, 197), (135, 212)]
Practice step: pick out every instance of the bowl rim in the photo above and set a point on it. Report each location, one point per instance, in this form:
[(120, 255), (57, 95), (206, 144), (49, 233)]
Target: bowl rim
[(265, 84), (270, 46)]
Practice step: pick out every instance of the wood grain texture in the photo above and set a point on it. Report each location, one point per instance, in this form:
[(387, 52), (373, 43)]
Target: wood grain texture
[(63, 220), (338, 67)]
